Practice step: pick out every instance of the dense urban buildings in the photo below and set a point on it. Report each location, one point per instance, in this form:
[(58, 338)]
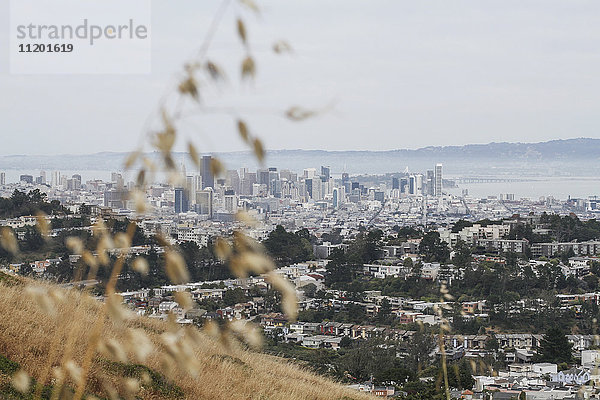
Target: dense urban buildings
[(368, 257)]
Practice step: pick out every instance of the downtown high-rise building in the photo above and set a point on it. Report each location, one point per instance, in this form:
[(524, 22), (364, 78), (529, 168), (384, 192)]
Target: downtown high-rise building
[(2, 178), (325, 173), (204, 202), (181, 200), (208, 179), (438, 180), (415, 184), (55, 179), (430, 184)]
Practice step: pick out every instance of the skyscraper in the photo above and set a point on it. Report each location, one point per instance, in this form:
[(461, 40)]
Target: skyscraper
[(416, 184), (181, 200), (430, 182), (325, 173), (438, 179), (403, 185), (395, 183), (230, 201), (55, 178), (208, 179), (204, 202), (76, 181), (2, 178), (336, 197), (309, 186)]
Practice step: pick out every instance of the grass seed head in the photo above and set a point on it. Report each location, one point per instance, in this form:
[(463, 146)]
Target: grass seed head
[(175, 268), (42, 298), (74, 244), (139, 344), (8, 240), (184, 299), (289, 302), (74, 371), (21, 381), (42, 224), (140, 265)]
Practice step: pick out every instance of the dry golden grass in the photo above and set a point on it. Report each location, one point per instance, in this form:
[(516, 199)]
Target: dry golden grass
[(38, 339)]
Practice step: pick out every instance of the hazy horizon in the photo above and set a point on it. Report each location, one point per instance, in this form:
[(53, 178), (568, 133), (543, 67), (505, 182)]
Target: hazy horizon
[(246, 151)]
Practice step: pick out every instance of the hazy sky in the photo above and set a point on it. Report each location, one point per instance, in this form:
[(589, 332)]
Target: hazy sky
[(402, 74)]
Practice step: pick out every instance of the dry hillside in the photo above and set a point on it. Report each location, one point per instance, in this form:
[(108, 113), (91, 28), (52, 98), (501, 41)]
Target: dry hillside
[(44, 328)]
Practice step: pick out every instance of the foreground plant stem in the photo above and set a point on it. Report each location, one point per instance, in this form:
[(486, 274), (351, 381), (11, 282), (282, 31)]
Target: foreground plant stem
[(97, 328)]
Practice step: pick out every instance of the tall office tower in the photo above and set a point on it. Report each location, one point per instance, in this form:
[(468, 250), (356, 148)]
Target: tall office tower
[(262, 177), (395, 183), (317, 189), (208, 179), (308, 184), (336, 197), (117, 179), (329, 185), (204, 202), (197, 185), (43, 177), (403, 185), (190, 187), (430, 184), (416, 184), (309, 173), (181, 200), (76, 181), (230, 201), (55, 179), (276, 188), (325, 173), (232, 179), (2, 178), (246, 183), (346, 182), (285, 174), (438, 179), (273, 177)]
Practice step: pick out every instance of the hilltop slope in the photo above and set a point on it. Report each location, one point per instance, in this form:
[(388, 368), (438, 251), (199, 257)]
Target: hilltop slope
[(29, 337)]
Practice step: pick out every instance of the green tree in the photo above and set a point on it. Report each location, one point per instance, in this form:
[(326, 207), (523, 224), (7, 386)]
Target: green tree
[(288, 247), (33, 239), (385, 311), (433, 249), (460, 375), (309, 290), (555, 347), (419, 351), (460, 224), (234, 296), (462, 254)]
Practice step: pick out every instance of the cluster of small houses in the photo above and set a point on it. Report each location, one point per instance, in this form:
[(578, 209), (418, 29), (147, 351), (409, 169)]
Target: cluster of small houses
[(537, 381)]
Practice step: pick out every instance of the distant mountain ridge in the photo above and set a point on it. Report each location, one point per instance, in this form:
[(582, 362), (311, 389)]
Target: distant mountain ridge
[(573, 156)]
